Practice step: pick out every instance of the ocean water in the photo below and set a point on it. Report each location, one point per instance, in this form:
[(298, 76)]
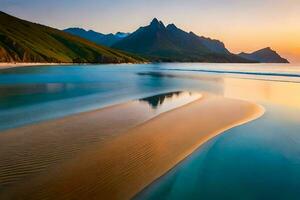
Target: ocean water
[(33, 94), (259, 160)]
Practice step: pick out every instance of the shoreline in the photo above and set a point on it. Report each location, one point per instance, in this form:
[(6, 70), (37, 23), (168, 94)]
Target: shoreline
[(4, 65), (128, 163), (15, 65), (67, 132)]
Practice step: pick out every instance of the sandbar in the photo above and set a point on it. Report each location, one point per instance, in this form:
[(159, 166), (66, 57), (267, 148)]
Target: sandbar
[(123, 165)]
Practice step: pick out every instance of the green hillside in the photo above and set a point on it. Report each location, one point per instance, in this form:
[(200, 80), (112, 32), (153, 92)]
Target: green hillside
[(23, 41)]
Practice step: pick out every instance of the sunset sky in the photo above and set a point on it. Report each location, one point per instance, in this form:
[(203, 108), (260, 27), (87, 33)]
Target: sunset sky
[(245, 25)]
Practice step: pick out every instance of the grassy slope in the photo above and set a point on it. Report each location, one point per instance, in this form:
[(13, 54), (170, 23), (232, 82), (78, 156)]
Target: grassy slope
[(23, 41)]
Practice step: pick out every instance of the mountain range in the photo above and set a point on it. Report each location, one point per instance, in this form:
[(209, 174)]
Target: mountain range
[(266, 55), (23, 41), (158, 42), (98, 38)]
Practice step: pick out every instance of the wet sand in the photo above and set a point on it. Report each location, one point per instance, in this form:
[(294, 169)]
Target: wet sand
[(118, 167), (29, 150)]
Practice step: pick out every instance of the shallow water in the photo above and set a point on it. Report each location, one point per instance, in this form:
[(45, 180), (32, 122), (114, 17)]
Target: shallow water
[(32, 94), (259, 160)]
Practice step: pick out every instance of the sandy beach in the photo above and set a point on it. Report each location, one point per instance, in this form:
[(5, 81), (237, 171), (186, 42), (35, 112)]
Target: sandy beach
[(13, 65), (119, 166)]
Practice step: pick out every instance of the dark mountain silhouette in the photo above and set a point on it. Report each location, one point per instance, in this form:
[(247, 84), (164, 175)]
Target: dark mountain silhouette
[(158, 42), (23, 41), (158, 100), (266, 55), (99, 38)]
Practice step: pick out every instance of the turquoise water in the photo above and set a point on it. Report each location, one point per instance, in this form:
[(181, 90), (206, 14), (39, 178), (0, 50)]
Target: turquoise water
[(259, 160), (30, 95)]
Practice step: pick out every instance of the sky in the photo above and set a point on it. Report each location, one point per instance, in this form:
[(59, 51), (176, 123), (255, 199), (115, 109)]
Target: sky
[(243, 25)]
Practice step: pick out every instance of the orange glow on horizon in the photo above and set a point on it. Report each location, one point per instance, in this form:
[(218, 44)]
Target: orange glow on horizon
[(242, 25)]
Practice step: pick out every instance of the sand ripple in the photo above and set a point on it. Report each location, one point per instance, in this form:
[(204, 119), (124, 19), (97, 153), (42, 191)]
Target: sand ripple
[(124, 165)]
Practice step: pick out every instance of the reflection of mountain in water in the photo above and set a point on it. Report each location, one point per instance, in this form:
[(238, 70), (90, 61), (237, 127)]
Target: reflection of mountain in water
[(157, 100)]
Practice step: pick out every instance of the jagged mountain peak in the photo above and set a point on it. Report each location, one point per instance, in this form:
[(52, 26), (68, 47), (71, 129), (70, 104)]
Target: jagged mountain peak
[(172, 26), (157, 24), (170, 43), (154, 21)]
